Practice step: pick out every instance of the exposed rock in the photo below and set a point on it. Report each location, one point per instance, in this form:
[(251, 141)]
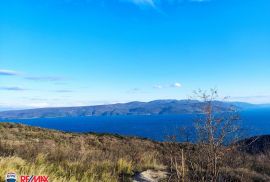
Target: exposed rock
[(150, 176)]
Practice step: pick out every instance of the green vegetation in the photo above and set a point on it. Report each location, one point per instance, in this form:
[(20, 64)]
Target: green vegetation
[(107, 158)]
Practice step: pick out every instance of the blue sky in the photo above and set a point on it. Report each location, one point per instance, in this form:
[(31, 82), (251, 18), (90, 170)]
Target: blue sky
[(85, 52)]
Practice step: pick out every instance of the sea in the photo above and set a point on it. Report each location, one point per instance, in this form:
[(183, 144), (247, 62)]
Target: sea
[(154, 127)]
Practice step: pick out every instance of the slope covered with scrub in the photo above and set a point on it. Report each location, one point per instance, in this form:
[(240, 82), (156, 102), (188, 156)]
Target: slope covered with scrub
[(92, 157)]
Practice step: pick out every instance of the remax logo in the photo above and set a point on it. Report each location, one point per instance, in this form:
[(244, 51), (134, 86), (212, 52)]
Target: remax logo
[(11, 177), (34, 179)]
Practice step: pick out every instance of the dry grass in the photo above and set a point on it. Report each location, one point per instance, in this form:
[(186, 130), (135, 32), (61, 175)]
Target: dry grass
[(72, 157)]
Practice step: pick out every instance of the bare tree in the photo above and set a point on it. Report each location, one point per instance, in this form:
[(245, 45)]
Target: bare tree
[(216, 126)]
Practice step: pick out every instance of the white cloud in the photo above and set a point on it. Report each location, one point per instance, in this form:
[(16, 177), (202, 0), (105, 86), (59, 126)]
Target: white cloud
[(199, 1), (158, 86), (134, 90), (45, 78), (38, 105), (257, 99), (12, 88), (155, 3), (8, 72), (143, 2), (30, 103), (63, 91), (5, 72), (176, 85)]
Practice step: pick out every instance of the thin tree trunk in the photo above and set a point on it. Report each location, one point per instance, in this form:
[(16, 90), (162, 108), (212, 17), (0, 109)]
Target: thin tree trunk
[(183, 166)]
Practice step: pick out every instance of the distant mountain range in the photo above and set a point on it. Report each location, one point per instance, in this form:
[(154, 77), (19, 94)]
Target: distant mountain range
[(7, 108), (157, 107)]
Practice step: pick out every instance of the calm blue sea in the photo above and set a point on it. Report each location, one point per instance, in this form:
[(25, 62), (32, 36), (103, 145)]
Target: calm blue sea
[(255, 121)]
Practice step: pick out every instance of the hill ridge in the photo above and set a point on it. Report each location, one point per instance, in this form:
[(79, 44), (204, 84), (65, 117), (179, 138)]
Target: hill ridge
[(155, 107)]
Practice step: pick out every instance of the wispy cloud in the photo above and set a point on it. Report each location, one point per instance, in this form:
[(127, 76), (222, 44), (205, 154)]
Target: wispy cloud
[(134, 90), (13, 88), (158, 86), (28, 103), (256, 99), (63, 91), (199, 1), (143, 2), (176, 85), (255, 96), (44, 78), (147, 4), (4, 72), (156, 3)]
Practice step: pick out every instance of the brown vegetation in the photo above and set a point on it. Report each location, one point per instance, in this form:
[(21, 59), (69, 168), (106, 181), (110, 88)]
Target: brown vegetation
[(89, 157)]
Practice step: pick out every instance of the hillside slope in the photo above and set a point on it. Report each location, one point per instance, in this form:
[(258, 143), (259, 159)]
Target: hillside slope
[(256, 144), (71, 157), (157, 107)]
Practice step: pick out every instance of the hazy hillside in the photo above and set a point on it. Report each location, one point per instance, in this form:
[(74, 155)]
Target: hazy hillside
[(156, 107)]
